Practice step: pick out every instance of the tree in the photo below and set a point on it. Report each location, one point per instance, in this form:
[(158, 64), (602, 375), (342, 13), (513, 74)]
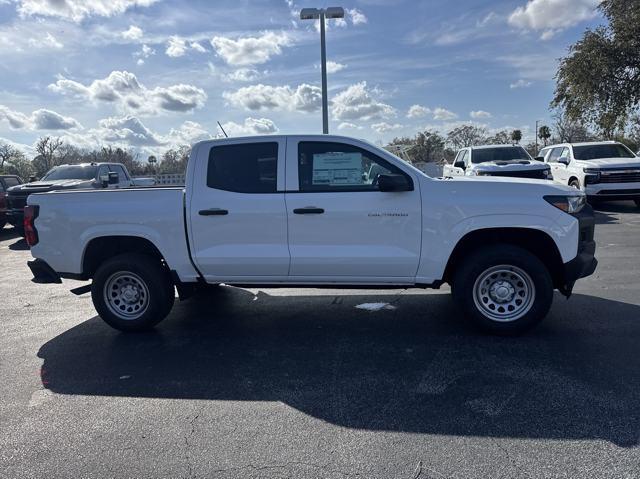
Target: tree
[(466, 135), (50, 153), (599, 81), (516, 136), (544, 133), (570, 131), (501, 137), (7, 153), (429, 146)]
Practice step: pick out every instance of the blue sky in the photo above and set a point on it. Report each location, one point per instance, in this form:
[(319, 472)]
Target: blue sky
[(151, 74)]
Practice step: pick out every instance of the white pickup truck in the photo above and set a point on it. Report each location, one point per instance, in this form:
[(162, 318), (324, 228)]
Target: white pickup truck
[(307, 211)]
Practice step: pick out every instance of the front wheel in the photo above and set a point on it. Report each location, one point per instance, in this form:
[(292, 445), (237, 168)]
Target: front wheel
[(132, 292), (574, 184), (503, 289)]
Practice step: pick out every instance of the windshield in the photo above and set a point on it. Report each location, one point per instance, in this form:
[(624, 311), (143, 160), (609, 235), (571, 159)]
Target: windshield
[(499, 154), (594, 152), (71, 173)]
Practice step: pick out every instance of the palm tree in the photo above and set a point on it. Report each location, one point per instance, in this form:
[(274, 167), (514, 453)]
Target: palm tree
[(544, 133), (516, 136)]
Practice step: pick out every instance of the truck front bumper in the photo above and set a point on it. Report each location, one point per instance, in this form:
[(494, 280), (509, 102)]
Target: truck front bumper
[(585, 263)]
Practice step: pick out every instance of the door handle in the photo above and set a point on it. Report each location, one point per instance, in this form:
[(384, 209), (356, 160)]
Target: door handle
[(213, 212), (308, 210)]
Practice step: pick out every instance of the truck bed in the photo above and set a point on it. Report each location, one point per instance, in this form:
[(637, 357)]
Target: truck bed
[(153, 213)]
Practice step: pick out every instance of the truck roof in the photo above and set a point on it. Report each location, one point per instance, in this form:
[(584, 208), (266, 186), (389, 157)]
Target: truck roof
[(484, 147), (259, 138), (584, 143)]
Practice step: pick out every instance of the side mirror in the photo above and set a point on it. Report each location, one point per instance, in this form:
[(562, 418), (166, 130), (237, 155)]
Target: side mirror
[(539, 158), (459, 164), (394, 182), (114, 178), (32, 178), (564, 161)]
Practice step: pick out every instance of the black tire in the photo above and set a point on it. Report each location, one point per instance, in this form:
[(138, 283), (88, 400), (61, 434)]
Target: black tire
[(530, 275), (147, 277), (574, 184)]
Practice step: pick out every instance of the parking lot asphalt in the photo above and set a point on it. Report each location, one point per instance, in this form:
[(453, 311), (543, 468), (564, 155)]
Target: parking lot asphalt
[(299, 383)]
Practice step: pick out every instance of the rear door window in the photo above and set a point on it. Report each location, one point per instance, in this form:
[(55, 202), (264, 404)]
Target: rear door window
[(244, 168)]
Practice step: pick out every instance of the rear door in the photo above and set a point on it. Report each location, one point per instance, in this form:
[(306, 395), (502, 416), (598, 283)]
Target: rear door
[(238, 219), (341, 226)]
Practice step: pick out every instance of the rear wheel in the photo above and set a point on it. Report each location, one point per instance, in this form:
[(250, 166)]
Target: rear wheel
[(574, 184), (132, 292), (503, 289)]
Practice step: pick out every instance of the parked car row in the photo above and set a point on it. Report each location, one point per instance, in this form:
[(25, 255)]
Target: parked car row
[(605, 170), (6, 182), (67, 177)]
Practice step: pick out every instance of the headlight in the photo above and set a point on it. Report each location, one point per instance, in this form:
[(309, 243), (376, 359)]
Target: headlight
[(569, 204), (592, 175)]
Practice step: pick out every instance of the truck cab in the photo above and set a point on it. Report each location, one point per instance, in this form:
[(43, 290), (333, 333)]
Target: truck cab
[(496, 160)]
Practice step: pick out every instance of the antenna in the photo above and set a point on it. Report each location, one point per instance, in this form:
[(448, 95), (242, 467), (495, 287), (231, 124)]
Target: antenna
[(225, 133)]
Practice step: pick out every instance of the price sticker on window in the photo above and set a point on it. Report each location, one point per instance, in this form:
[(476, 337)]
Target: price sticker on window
[(337, 169)]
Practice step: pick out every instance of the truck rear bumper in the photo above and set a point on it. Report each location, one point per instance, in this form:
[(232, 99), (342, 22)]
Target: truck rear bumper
[(42, 272)]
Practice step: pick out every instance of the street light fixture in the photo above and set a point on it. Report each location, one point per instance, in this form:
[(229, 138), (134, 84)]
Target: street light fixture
[(321, 14)]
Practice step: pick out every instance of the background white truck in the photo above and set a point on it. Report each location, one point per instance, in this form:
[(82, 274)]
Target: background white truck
[(605, 170), (312, 211), (497, 160)]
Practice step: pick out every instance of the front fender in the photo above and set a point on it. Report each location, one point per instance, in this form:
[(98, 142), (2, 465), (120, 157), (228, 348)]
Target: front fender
[(439, 243)]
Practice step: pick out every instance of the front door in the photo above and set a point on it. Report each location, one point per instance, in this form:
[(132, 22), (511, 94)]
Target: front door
[(238, 219), (341, 226)]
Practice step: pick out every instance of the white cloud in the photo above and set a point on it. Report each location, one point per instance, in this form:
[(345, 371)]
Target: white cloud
[(251, 126), (128, 130), (123, 89), (246, 51), (384, 127), (334, 67), (46, 42), (145, 52), (41, 119), (356, 16), (77, 10), (178, 46), (243, 75), (357, 103), (346, 125), (443, 114), (552, 16), (479, 114), (259, 97), (418, 111), (521, 83), (188, 133), (133, 33)]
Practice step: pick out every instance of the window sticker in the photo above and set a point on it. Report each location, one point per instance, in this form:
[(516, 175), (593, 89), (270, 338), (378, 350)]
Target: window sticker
[(337, 169)]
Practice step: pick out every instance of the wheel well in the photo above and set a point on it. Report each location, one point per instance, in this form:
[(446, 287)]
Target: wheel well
[(574, 178), (101, 249), (537, 242)]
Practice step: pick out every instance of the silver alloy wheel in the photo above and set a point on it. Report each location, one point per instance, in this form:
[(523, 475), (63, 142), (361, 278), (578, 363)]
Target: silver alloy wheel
[(504, 293), (126, 295)]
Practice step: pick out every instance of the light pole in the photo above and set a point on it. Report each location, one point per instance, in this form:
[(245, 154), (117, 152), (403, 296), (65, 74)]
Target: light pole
[(537, 121), (321, 14)]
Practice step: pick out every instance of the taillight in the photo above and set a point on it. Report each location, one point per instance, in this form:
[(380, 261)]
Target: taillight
[(30, 232)]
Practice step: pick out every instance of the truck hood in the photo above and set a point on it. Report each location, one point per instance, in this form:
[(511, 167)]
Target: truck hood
[(42, 186), (609, 163), (516, 165), (522, 184)]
